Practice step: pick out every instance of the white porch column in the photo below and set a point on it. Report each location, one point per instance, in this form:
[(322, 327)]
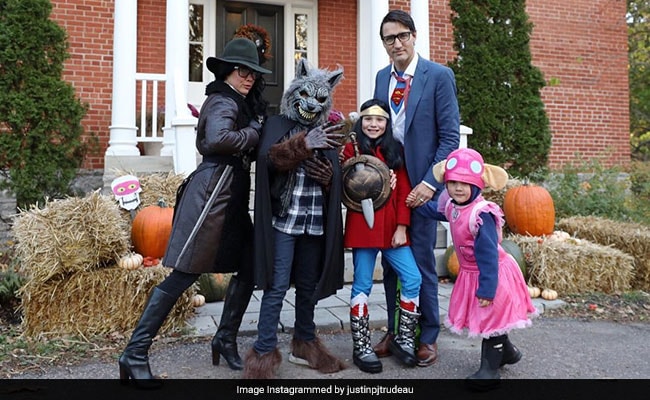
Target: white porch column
[(420, 15), (371, 52), (176, 56), (123, 132)]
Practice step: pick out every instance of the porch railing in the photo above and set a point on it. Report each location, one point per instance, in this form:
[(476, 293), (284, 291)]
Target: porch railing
[(149, 117)]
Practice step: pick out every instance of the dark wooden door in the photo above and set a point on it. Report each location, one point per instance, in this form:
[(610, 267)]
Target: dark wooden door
[(232, 14)]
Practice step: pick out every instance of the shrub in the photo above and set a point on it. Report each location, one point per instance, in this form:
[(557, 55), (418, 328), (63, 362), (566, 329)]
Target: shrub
[(498, 86), (40, 117), (591, 189)]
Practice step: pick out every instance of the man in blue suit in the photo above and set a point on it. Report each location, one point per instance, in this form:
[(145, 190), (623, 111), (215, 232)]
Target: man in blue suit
[(426, 120)]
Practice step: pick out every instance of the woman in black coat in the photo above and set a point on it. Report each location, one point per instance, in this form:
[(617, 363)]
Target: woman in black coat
[(212, 229)]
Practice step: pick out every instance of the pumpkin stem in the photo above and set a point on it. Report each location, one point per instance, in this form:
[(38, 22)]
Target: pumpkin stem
[(162, 203)]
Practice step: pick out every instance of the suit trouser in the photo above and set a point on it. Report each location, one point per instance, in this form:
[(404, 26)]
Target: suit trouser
[(423, 241), (304, 253)]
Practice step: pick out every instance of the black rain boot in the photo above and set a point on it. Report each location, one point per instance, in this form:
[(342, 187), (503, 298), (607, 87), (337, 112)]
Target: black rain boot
[(511, 354), (224, 343), (403, 345), (134, 361), (487, 377), (363, 355)]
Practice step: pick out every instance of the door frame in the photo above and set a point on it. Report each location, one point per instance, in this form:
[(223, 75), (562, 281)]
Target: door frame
[(196, 90)]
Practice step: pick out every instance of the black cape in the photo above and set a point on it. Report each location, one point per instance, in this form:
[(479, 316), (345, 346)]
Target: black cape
[(332, 264)]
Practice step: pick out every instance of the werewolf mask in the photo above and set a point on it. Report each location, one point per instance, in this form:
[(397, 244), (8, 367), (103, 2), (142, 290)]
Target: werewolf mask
[(308, 99)]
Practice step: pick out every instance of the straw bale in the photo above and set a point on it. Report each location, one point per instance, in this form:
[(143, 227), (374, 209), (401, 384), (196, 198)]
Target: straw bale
[(69, 235), (632, 238), (97, 302), (575, 265)]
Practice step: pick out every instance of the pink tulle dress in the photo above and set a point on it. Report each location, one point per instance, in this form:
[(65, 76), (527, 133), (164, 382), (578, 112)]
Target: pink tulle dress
[(511, 307)]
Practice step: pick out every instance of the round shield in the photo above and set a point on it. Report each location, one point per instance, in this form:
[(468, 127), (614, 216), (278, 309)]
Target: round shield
[(365, 177)]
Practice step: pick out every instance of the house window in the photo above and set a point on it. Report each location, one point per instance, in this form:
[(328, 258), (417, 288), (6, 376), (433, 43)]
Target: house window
[(197, 44), (300, 39)]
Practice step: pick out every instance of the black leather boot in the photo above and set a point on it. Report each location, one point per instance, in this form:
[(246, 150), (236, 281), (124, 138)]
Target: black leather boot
[(511, 354), (134, 361), (224, 343), (487, 377)]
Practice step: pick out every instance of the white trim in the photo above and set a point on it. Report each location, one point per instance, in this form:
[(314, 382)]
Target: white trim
[(370, 52), (420, 15)]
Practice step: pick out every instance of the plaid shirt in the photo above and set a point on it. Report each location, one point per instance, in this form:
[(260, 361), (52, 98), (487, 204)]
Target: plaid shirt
[(305, 213)]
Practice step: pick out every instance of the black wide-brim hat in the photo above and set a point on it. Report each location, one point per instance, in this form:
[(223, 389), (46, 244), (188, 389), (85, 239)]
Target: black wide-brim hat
[(240, 51)]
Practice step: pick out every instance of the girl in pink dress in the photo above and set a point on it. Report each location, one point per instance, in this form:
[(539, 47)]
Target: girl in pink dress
[(490, 296)]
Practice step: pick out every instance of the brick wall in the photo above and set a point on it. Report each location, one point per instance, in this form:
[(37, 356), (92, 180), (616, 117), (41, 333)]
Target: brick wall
[(582, 45), (579, 45)]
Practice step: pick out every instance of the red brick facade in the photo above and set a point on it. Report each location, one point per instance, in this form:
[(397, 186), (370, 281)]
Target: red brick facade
[(580, 46)]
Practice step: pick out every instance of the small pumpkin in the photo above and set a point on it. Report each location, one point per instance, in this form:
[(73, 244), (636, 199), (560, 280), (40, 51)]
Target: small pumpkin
[(151, 229), (130, 261), (450, 260), (198, 300), (549, 294), (213, 286), (534, 291), (529, 210)]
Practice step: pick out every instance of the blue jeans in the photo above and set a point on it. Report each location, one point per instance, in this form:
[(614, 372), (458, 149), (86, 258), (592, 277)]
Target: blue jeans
[(423, 241), (402, 260), (304, 252)]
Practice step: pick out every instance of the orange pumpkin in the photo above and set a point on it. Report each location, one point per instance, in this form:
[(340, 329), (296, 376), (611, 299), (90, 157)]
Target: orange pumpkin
[(451, 262), (151, 229), (529, 210)]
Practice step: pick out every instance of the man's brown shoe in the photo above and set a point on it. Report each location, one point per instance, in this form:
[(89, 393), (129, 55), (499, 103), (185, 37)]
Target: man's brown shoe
[(427, 354), (381, 348)]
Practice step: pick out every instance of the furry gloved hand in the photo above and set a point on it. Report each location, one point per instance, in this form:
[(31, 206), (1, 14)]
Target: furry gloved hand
[(320, 170), (323, 137)]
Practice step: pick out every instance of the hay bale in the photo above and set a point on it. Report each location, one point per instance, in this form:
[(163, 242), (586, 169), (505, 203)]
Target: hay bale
[(574, 265), (96, 302), (70, 235), (631, 238)]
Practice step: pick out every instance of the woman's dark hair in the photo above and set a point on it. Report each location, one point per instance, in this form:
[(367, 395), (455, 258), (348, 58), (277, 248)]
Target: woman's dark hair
[(399, 16), (255, 98), (391, 149)]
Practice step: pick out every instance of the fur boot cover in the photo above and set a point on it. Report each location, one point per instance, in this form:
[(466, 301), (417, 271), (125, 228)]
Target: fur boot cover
[(261, 366), (315, 355)]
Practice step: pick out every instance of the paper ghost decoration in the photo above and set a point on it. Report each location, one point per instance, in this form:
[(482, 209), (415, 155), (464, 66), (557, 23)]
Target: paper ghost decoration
[(127, 190)]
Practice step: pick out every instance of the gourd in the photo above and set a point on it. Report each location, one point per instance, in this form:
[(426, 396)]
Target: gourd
[(549, 294), (198, 300), (529, 210), (534, 291), (450, 258), (514, 250), (130, 261), (213, 286), (151, 229)]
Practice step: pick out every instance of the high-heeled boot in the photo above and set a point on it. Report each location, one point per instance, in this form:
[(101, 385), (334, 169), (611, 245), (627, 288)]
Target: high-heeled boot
[(134, 361), (224, 343)]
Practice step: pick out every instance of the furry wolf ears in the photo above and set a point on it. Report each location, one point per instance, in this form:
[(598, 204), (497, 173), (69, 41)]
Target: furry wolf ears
[(303, 68)]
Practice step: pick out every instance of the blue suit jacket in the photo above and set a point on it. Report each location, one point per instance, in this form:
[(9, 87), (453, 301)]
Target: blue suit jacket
[(432, 128)]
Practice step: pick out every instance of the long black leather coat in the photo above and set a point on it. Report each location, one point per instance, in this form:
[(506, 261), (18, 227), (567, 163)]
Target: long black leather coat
[(223, 242)]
